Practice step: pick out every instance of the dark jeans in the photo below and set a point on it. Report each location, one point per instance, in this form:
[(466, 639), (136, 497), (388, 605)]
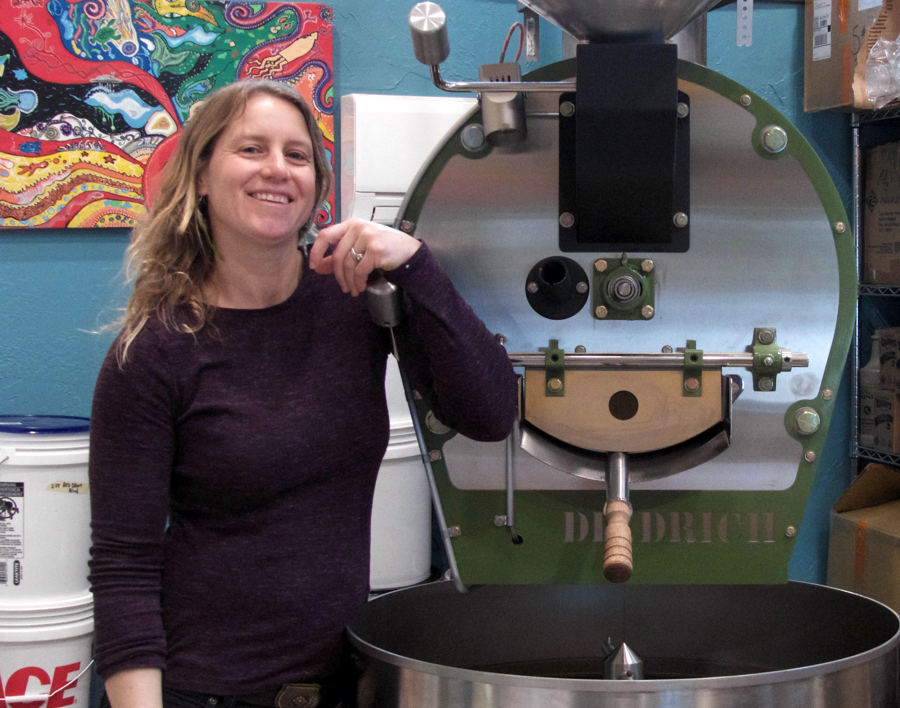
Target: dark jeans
[(173, 698)]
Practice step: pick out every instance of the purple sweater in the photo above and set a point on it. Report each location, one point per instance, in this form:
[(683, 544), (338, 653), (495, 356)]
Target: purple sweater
[(261, 446)]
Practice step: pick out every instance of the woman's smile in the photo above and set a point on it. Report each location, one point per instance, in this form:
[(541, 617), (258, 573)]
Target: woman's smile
[(277, 198)]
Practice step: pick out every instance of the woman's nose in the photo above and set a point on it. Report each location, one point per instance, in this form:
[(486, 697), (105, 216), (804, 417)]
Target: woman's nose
[(275, 165)]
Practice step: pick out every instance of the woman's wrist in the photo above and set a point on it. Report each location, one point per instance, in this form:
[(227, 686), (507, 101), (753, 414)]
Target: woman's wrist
[(135, 688)]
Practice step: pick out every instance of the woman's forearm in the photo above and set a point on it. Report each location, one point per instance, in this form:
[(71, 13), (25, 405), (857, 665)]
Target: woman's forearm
[(135, 688)]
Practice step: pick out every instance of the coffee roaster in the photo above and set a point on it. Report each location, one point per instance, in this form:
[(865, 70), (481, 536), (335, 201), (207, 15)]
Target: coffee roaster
[(672, 271)]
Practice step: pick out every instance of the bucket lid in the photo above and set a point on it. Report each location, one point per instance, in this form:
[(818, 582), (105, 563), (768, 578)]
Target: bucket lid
[(403, 443), (43, 424), (66, 628), (15, 620)]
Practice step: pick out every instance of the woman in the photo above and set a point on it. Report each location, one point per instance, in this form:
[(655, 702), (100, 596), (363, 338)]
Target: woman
[(239, 419)]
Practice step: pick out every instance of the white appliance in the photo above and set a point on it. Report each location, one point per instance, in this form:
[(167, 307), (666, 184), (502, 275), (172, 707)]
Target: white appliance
[(385, 140)]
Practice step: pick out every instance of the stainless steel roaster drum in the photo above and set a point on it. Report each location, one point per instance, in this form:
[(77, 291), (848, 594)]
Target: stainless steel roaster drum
[(713, 646)]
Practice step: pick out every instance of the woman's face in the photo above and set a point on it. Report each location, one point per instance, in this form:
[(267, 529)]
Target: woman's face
[(260, 181)]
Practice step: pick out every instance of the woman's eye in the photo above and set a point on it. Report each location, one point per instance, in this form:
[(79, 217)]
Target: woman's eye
[(298, 156)]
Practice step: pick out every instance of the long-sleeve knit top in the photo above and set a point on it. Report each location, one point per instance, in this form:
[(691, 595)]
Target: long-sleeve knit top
[(232, 475)]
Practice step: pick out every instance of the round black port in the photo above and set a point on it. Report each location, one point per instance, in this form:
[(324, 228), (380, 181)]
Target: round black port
[(623, 405), (557, 288)]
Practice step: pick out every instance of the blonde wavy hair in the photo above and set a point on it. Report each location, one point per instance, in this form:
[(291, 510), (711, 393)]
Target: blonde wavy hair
[(172, 254)]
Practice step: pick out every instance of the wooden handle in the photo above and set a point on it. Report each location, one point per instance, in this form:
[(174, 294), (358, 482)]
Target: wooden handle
[(617, 559)]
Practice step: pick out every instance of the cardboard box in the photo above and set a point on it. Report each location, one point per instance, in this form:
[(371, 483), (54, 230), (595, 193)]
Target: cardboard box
[(864, 538), (881, 215), (838, 37)]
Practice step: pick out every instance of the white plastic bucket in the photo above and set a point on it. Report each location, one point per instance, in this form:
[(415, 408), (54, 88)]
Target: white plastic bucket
[(401, 511), (46, 665), (45, 511), (398, 408), (401, 516)]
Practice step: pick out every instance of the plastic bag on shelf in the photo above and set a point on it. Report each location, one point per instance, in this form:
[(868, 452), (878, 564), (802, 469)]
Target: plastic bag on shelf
[(883, 72)]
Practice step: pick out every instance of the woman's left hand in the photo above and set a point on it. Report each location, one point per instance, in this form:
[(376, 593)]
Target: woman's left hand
[(360, 248)]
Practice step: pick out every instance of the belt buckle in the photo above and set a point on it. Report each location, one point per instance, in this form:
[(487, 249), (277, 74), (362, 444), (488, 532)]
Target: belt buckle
[(299, 695)]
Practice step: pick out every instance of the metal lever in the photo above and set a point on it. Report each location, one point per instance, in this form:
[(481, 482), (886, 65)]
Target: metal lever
[(386, 310), (504, 113), (431, 44)]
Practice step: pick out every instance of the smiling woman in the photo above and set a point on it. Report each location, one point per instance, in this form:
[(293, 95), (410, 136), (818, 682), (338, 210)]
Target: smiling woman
[(243, 407)]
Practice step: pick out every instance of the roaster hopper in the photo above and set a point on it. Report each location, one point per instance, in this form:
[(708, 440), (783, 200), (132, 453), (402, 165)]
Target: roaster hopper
[(671, 269)]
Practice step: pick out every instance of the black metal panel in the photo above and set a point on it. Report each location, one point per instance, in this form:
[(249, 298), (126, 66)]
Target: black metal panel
[(624, 152)]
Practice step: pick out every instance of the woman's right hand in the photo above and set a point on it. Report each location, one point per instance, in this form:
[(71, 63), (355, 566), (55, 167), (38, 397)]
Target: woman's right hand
[(375, 246)]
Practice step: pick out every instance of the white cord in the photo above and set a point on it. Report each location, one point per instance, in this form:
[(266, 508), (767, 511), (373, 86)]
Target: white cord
[(45, 696)]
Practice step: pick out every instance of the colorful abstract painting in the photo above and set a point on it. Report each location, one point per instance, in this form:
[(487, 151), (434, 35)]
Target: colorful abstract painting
[(94, 94)]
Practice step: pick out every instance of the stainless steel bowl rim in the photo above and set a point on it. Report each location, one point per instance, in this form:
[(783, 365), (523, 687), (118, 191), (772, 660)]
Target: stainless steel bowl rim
[(812, 671)]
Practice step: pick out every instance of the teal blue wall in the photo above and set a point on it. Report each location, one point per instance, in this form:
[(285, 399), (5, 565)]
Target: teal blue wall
[(56, 286)]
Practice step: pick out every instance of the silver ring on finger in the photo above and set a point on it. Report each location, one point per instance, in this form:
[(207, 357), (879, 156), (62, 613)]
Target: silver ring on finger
[(355, 256)]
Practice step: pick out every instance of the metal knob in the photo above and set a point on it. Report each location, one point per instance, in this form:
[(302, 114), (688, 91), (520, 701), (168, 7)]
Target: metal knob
[(385, 300), (428, 27)]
